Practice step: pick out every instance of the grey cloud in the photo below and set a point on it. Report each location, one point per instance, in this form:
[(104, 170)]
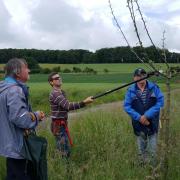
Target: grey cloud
[(5, 17), (155, 29), (56, 16), (67, 24), (58, 25)]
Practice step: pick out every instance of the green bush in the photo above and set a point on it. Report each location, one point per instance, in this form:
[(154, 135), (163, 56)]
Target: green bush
[(89, 71), (56, 69), (77, 70), (66, 70), (106, 70), (46, 70)]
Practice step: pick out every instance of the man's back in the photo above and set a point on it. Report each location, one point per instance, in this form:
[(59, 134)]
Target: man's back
[(8, 131)]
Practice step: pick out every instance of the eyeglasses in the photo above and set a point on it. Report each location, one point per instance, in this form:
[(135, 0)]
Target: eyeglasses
[(56, 78)]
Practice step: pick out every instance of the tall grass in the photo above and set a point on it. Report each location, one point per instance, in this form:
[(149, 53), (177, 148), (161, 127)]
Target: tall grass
[(174, 158), (105, 147), (2, 168)]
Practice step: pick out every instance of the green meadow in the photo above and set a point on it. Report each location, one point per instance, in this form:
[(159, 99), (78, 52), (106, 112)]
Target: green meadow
[(104, 144), (39, 93), (112, 67), (117, 78)]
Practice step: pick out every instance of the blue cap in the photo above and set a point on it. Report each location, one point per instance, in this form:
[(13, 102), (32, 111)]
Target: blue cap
[(139, 72)]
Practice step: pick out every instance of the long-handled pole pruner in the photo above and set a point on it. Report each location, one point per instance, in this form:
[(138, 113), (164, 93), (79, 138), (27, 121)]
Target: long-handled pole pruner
[(125, 85)]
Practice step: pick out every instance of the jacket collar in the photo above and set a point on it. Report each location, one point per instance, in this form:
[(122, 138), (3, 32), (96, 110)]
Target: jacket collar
[(24, 87), (149, 85), (10, 80)]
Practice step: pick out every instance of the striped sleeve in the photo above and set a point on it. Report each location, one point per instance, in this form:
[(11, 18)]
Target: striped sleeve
[(61, 100)]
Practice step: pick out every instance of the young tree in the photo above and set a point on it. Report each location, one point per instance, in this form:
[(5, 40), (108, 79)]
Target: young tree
[(168, 73)]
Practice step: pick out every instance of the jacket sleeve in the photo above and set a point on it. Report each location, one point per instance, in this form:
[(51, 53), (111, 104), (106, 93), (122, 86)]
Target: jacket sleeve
[(128, 107), (18, 109), (150, 113)]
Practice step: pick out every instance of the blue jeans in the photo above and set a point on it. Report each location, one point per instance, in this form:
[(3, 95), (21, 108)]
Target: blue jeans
[(147, 148), (62, 143)]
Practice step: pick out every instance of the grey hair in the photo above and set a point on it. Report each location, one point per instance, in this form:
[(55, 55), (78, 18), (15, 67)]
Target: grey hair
[(13, 67)]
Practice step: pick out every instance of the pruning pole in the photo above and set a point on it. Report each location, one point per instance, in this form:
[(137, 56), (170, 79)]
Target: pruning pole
[(125, 85)]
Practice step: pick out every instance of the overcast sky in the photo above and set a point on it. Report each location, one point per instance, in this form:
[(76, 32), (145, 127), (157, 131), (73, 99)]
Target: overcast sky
[(85, 24)]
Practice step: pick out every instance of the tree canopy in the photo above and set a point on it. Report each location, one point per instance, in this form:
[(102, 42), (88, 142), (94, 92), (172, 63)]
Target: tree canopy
[(76, 56)]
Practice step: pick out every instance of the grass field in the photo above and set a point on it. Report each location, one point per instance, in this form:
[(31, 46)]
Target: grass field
[(39, 93), (112, 67), (94, 78), (104, 143), (79, 87), (105, 147), (75, 92), (118, 73)]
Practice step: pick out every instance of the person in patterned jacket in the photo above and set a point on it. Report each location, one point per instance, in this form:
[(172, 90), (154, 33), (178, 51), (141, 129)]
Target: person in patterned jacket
[(60, 106)]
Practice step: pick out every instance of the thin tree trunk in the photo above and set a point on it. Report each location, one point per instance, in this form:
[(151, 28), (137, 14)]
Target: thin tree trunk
[(167, 128)]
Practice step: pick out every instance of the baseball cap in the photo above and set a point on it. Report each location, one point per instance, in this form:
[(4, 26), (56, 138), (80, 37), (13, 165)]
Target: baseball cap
[(139, 72)]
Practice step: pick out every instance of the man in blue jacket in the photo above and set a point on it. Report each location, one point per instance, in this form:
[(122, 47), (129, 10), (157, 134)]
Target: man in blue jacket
[(142, 102), (15, 117)]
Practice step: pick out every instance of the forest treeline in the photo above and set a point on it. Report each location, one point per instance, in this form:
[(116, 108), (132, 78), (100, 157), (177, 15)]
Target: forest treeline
[(76, 56)]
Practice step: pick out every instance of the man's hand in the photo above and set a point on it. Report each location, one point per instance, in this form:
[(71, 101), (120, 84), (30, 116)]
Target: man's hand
[(144, 121), (88, 100), (40, 115)]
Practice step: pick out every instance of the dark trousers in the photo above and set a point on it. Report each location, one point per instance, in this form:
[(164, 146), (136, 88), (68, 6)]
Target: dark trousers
[(18, 169)]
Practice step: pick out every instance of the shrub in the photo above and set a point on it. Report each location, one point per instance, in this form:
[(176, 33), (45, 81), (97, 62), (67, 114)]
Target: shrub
[(66, 70), (106, 70), (89, 71), (45, 70), (56, 69), (76, 70)]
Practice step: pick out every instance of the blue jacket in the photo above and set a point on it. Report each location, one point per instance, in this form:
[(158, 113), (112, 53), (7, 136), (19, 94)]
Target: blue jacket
[(14, 117), (135, 108)]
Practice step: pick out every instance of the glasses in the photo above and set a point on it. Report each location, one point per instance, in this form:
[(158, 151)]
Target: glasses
[(56, 78)]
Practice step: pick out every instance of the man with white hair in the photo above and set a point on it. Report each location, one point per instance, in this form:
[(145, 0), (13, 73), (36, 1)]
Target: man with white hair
[(16, 116)]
